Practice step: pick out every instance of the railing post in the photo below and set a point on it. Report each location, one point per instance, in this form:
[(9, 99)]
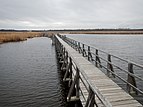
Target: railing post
[(60, 48), (91, 99), (83, 49), (97, 60), (74, 85), (68, 73), (88, 52), (70, 76), (53, 40), (68, 41), (77, 83), (76, 45), (131, 80), (72, 43), (64, 59), (109, 67), (96, 55), (79, 48)]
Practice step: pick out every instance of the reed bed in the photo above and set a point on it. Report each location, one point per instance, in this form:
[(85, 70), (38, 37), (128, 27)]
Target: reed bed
[(17, 36)]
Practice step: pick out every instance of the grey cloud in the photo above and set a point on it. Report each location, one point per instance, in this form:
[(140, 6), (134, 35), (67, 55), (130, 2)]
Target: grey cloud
[(54, 14)]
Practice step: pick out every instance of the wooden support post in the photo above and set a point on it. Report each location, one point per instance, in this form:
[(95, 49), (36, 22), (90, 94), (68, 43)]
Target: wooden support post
[(88, 52), (131, 80), (109, 67), (74, 45), (59, 51), (71, 41), (61, 54), (78, 47), (83, 49), (70, 71), (64, 59), (60, 48), (53, 40), (71, 89), (91, 99), (67, 72), (97, 60), (77, 83)]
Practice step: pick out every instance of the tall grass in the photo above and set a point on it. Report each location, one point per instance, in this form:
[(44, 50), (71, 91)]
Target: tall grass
[(17, 36)]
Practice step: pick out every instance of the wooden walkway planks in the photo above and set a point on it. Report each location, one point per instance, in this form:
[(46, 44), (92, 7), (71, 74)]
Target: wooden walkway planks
[(107, 90)]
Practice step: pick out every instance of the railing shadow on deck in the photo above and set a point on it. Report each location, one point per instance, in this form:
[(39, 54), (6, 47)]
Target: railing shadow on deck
[(126, 74)]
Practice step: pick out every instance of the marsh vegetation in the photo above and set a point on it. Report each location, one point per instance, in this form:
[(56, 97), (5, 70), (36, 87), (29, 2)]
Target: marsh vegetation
[(17, 36)]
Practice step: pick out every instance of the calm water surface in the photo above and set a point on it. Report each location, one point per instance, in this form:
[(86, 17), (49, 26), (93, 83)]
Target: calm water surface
[(28, 70), (129, 47), (28, 75), (125, 46)]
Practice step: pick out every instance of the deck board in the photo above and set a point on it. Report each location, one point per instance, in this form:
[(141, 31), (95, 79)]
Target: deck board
[(105, 88)]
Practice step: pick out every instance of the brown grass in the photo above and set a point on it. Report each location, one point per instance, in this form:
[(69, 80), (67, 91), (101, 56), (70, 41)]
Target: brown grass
[(17, 36)]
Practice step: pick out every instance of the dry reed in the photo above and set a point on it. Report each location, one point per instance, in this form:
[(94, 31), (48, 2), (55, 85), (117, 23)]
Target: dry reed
[(17, 36)]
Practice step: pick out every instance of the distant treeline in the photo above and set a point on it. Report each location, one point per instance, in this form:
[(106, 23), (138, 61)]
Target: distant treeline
[(11, 30), (68, 30), (98, 30)]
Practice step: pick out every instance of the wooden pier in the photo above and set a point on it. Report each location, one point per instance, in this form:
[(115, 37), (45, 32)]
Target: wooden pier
[(86, 82)]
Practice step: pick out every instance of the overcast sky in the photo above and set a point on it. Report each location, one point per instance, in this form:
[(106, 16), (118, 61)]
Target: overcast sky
[(65, 14)]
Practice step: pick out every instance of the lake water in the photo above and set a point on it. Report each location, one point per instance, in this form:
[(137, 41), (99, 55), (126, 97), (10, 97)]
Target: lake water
[(29, 75), (126, 46)]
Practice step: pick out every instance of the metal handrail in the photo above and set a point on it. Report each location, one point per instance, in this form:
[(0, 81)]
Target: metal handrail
[(118, 67), (87, 84), (139, 65), (78, 44)]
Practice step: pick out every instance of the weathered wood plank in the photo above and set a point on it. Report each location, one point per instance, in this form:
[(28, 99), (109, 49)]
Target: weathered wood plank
[(130, 105), (125, 102), (108, 91)]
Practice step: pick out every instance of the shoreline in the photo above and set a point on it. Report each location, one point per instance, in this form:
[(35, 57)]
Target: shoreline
[(6, 37), (105, 32)]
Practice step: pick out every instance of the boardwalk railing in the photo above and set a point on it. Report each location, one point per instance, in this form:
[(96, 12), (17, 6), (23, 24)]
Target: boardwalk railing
[(127, 74), (73, 76), (85, 81)]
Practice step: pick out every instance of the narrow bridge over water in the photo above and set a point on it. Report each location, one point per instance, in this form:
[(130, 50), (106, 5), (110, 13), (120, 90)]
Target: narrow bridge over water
[(84, 72)]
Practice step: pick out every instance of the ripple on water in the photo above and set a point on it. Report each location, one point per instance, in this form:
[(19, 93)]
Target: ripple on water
[(28, 75)]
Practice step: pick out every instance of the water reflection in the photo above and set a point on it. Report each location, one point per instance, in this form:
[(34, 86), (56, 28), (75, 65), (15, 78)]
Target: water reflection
[(28, 75)]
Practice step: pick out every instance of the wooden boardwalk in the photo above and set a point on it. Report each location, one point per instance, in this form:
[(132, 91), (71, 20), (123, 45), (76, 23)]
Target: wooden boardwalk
[(93, 87)]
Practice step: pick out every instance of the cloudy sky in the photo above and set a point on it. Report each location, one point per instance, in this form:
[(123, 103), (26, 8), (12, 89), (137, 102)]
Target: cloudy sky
[(65, 14)]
